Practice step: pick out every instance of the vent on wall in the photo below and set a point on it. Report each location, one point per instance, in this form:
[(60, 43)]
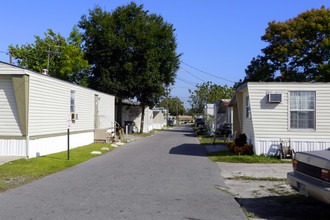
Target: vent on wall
[(74, 116), (274, 97)]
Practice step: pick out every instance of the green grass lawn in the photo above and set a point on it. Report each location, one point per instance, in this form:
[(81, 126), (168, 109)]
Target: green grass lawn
[(20, 172), (155, 130), (141, 134), (227, 156), (209, 141)]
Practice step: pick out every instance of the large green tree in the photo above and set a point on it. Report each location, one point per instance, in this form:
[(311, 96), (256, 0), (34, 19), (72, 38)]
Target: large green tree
[(298, 49), (133, 53), (64, 58), (175, 105), (208, 92)]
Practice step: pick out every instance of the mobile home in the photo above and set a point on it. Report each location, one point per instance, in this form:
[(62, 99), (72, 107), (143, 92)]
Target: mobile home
[(222, 113), (36, 110), (132, 111), (269, 112)]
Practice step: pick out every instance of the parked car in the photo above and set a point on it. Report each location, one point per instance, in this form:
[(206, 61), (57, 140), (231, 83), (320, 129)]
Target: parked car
[(170, 123), (199, 121), (311, 174)]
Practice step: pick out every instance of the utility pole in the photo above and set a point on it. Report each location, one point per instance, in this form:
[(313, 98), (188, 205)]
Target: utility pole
[(177, 112), (48, 58)]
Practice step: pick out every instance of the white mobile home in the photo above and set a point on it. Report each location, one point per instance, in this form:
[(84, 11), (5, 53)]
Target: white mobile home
[(36, 111), (209, 110), (132, 111), (159, 119), (223, 113), (268, 112)]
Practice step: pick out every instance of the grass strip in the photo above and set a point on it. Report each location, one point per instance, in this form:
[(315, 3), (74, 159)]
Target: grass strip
[(226, 191), (227, 156), (255, 178), (20, 172), (210, 141), (155, 130), (141, 134)]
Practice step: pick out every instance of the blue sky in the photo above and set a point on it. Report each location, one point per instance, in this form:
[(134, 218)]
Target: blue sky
[(219, 37)]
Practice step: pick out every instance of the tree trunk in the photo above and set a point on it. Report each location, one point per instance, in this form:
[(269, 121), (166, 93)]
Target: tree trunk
[(119, 112), (142, 119)]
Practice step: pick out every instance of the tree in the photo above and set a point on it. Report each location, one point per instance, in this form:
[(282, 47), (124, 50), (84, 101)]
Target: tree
[(174, 105), (298, 50), (132, 52), (208, 93), (260, 69), (66, 58)]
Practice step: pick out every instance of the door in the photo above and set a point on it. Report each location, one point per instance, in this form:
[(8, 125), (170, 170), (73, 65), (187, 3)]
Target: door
[(96, 111)]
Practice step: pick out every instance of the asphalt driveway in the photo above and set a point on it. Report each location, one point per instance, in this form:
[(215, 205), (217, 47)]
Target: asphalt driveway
[(166, 176)]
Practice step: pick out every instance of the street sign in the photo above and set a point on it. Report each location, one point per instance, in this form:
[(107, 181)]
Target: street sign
[(69, 121)]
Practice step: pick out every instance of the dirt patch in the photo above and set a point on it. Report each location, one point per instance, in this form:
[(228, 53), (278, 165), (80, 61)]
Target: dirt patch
[(262, 199)]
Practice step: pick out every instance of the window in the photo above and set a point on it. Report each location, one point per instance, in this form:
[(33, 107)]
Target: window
[(248, 107), (302, 110), (72, 101)]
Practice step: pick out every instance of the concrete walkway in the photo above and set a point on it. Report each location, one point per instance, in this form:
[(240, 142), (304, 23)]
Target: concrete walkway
[(254, 170), (6, 159)]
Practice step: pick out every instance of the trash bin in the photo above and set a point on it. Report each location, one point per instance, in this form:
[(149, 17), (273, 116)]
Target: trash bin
[(129, 126)]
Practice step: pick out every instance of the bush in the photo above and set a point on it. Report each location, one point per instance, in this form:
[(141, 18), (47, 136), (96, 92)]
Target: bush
[(241, 140), (246, 149)]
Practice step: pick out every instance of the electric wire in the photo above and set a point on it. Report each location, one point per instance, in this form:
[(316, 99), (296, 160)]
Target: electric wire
[(185, 81), (191, 74), (207, 73)]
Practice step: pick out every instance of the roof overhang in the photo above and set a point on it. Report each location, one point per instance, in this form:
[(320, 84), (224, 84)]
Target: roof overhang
[(233, 99)]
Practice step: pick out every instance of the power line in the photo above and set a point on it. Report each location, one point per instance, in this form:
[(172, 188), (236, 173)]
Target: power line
[(182, 87), (191, 73), (207, 72), (185, 81)]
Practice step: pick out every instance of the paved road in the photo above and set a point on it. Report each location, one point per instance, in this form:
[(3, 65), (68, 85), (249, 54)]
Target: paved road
[(166, 176)]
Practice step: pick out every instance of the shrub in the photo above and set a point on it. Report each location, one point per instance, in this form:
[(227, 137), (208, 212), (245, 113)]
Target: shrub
[(246, 149), (241, 140)]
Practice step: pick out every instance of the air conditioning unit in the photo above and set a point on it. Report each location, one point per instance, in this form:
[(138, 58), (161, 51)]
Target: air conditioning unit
[(274, 97)]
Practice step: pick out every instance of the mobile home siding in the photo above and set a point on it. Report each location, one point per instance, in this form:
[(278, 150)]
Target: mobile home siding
[(106, 114), (271, 121), (9, 118), (9, 69), (49, 105)]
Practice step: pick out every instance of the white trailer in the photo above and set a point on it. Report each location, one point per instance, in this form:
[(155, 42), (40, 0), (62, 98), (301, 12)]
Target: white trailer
[(36, 110)]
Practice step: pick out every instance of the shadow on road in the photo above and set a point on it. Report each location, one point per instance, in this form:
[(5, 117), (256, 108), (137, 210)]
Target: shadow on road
[(177, 130), (190, 135), (285, 207), (189, 150)]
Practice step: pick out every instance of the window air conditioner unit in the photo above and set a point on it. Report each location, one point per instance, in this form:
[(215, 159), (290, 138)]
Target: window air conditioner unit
[(274, 97)]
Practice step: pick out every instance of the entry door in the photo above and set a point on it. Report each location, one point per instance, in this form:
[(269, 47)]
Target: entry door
[(96, 112)]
